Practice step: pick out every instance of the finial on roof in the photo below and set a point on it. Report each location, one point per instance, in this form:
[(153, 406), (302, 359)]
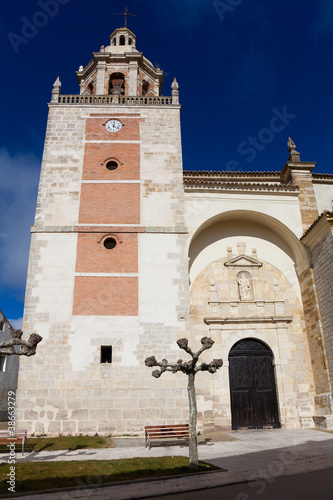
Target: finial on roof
[(56, 90), (57, 83), (81, 68), (175, 92), (294, 155), (291, 145), (174, 84)]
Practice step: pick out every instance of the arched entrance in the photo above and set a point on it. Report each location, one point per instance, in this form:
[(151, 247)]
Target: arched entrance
[(252, 386)]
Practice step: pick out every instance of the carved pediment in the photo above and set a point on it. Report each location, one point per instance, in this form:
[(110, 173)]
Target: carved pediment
[(243, 261)]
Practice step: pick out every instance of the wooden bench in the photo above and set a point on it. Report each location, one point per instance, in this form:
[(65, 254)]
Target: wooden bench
[(7, 437), (165, 432)]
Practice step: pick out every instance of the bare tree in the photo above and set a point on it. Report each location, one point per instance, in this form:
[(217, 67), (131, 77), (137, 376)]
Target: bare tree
[(28, 347), (190, 368)]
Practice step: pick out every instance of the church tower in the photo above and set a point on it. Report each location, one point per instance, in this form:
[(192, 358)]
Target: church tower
[(129, 253), (107, 280)]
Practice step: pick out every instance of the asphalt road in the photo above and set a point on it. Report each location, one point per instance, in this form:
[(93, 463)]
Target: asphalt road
[(316, 485)]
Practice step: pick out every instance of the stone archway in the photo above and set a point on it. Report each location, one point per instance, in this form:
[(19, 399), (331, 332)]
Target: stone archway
[(252, 386)]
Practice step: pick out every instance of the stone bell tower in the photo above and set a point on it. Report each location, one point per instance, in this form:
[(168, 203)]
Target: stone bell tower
[(119, 69), (107, 280)]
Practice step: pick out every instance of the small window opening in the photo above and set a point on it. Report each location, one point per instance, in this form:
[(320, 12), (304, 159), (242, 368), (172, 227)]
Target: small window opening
[(114, 41), (106, 354), (145, 87), (112, 165), (110, 243), (122, 40), (130, 41), (2, 363), (2, 326)]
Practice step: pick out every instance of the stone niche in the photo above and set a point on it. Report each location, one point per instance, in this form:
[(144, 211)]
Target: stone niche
[(251, 291)]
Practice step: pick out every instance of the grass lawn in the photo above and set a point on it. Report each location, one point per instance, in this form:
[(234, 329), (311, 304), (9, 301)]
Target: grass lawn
[(33, 476), (63, 443)]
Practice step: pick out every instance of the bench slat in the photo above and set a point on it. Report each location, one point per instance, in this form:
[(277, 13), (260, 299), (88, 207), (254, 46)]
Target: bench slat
[(165, 432), (178, 426), (174, 433)]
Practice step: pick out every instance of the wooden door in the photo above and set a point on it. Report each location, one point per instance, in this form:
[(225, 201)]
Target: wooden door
[(252, 386)]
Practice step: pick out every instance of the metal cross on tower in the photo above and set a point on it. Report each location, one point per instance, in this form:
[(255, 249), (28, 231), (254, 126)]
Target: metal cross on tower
[(125, 14)]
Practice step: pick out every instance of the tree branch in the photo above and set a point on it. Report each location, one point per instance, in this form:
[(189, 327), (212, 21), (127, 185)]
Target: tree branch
[(28, 347), (189, 366), (183, 344), (210, 367)]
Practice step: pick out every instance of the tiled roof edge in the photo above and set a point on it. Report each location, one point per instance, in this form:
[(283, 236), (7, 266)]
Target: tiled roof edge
[(231, 173), (324, 213)]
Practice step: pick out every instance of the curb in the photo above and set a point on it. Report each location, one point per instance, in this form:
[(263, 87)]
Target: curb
[(119, 483)]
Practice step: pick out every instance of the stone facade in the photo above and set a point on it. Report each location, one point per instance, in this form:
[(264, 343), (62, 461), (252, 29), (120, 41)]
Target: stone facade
[(319, 240), (130, 253), (271, 313)]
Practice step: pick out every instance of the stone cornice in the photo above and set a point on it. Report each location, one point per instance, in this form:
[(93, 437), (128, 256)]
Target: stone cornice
[(246, 320), (318, 229), (243, 260), (244, 176), (191, 185), (109, 229), (121, 31), (265, 177), (302, 167)]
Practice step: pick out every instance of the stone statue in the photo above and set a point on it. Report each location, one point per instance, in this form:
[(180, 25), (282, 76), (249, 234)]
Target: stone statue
[(291, 145), (245, 291), (294, 155)]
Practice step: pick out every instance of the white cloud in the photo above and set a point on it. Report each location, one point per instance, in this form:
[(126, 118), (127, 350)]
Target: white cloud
[(18, 190)]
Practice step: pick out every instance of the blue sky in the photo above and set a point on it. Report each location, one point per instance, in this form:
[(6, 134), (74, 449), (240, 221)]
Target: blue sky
[(251, 73)]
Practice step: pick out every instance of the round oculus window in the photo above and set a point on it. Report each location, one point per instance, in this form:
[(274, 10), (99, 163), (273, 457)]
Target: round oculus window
[(112, 165), (110, 243)]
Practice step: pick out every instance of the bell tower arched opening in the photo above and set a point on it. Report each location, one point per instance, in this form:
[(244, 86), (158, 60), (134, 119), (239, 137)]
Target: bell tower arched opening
[(117, 84)]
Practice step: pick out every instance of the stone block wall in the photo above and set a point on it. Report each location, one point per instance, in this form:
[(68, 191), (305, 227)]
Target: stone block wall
[(80, 298), (314, 333), (322, 256), (321, 250)]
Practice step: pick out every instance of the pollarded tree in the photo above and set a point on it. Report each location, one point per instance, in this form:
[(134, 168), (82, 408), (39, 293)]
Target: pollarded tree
[(190, 368), (28, 347)]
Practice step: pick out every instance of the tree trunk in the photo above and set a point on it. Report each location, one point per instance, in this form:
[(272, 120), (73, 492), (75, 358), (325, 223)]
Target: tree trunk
[(193, 446)]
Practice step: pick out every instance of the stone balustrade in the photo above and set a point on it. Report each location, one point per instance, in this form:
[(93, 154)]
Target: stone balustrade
[(114, 99)]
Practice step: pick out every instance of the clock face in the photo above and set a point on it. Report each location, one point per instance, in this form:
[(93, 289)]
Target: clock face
[(113, 125)]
